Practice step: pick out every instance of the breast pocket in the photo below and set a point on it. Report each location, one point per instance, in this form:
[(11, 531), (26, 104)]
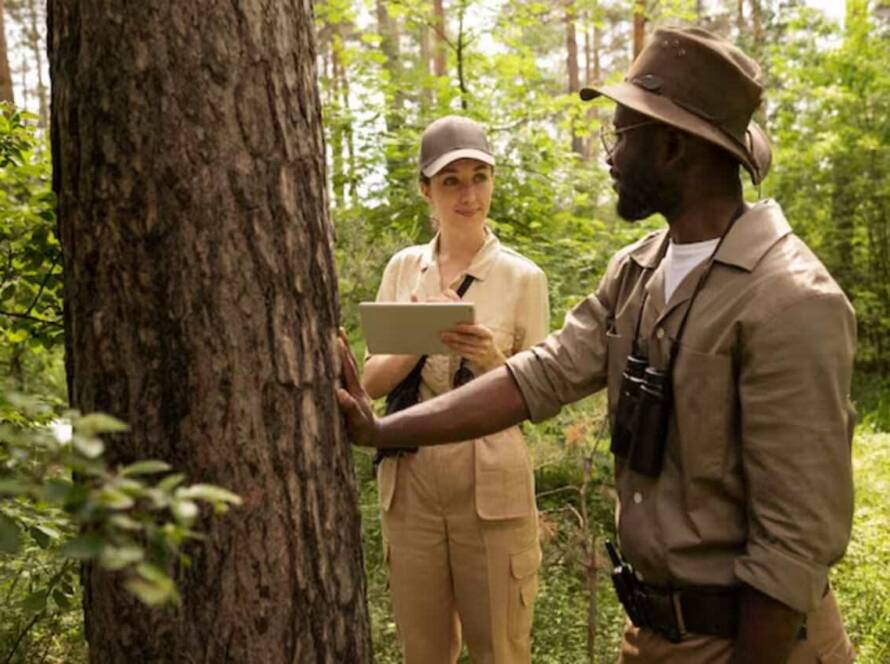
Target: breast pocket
[(705, 408)]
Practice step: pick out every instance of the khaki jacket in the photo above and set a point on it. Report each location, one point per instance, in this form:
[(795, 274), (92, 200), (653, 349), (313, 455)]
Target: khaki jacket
[(510, 297), (757, 483)]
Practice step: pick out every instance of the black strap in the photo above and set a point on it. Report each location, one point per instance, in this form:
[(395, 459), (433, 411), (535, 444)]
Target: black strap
[(675, 347), (662, 252), (410, 389)]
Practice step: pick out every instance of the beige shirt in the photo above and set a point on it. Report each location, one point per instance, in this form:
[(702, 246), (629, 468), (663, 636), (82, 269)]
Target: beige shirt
[(510, 298), (757, 482)]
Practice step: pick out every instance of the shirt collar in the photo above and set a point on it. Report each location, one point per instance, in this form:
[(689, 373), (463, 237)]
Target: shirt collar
[(647, 254), (751, 236), (482, 262)]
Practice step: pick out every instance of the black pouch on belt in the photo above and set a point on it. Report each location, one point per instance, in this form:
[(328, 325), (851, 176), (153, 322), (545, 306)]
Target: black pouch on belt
[(407, 392)]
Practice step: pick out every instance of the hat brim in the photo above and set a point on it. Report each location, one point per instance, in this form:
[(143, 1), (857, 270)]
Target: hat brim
[(462, 153), (756, 156)]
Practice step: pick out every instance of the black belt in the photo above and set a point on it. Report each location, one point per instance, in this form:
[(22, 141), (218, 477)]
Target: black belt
[(692, 610), (384, 452)]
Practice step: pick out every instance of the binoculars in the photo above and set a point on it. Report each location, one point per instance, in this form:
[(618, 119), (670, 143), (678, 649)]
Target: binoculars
[(640, 429)]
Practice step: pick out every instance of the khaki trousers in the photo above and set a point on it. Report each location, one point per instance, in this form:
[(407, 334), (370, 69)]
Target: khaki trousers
[(826, 643), (453, 574)]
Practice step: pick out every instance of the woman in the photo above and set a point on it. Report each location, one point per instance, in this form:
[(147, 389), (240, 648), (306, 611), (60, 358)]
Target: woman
[(459, 521)]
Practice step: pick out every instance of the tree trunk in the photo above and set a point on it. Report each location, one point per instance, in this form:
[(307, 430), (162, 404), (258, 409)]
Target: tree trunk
[(426, 93), (201, 307), (440, 42), (37, 45), (639, 26), (572, 67), (389, 46), (5, 72), (757, 23)]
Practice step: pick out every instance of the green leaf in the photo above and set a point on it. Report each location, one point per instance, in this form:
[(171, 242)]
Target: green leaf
[(11, 487), (10, 535), (114, 499), (115, 558), (147, 467), (61, 599), (185, 511), (88, 446), (44, 535), (35, 602), (170, 482), (124, 522), (153, 586), (209, 493), (96, 423), (84, 547), (152, 594)]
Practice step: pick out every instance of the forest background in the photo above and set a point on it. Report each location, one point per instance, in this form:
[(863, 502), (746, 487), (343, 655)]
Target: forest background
[(386, 68)]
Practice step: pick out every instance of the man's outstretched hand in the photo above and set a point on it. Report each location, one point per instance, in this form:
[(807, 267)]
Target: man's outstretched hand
[(354, 401)]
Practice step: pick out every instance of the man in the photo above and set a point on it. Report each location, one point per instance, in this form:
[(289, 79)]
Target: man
[(733, 467)]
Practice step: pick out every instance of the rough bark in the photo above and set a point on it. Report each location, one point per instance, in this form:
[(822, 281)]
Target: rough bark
[(201, 307), (5, 73)]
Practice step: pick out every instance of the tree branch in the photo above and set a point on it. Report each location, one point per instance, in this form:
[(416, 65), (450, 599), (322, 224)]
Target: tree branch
[(12, 314)]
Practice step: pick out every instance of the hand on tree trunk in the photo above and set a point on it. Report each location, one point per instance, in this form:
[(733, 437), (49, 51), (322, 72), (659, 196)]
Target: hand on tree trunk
[(354, 401)]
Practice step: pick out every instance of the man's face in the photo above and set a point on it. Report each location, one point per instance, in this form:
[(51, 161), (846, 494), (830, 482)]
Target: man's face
[(643, 188)]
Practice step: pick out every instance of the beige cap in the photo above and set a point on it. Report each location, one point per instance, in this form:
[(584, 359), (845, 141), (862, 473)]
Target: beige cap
[(449, 139)]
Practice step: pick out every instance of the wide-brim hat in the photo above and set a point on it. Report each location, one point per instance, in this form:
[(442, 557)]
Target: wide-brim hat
[(695, 81), (449, 139)]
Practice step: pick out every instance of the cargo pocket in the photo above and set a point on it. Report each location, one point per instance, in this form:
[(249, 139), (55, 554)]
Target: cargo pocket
[(523, 590)]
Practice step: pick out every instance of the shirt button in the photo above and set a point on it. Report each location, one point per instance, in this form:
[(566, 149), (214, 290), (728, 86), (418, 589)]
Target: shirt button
[(638, 498), (660, 333)]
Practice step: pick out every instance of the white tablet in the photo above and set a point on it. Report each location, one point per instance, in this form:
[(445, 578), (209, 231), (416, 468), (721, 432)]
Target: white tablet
[(403, 328)]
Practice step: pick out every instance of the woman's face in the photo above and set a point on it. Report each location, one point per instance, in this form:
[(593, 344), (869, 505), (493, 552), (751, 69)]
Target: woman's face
[(460, 194)]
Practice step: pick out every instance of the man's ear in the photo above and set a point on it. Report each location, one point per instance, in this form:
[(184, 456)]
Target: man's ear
[(676, 146)]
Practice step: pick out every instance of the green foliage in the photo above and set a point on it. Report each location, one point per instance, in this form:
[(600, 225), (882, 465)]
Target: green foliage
[(134, 519), (830, 120), (862, 579), (61, 505), (30, 259)]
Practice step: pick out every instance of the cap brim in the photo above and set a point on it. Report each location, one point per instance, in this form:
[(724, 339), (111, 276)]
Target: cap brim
[(463, 153), (756, 156)]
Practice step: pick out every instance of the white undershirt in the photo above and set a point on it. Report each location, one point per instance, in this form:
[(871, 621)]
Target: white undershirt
[(681, 259)]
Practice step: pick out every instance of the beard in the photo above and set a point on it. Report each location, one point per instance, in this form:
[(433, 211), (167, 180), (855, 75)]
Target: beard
[(642, 193)]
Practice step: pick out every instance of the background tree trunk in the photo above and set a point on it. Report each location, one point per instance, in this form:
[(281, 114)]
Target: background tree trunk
[(5, 73), (440, 42), (639, 27), (201, 307), (572, 67), (36, 43)]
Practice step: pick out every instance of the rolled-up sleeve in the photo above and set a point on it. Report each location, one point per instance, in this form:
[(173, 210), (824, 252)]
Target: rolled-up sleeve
[(568, 365), (796, 426)]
